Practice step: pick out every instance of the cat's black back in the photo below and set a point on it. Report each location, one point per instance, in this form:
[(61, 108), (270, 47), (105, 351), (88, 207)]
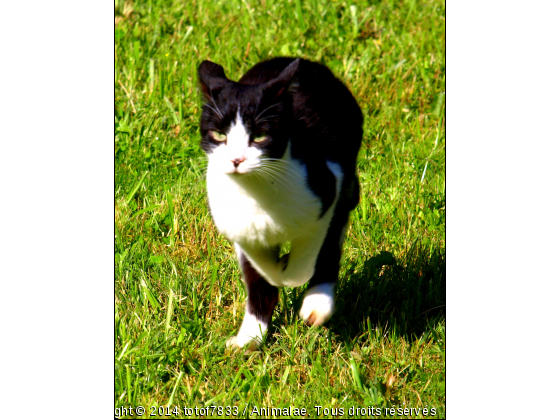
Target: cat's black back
[(327, 119), (326, 124)]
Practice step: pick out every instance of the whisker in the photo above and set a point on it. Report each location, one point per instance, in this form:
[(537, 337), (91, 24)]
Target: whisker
[(216, 111), (269, 170), (282, 174), (216, 106), (272, 177), (266, 109), (270, 117), (215, 118), (284, 168), (259, 173)]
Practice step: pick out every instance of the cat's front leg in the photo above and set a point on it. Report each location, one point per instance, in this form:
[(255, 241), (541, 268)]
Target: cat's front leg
[(293, 269), (263, 259), (261, 300)]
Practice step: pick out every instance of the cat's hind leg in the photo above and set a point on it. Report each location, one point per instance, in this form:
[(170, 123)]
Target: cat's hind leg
[(261, 300)]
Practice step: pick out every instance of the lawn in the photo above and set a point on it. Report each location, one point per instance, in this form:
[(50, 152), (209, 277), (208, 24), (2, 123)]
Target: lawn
[(178, 290)]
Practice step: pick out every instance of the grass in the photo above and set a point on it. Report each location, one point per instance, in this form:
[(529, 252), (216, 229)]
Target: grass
[(178, 290)]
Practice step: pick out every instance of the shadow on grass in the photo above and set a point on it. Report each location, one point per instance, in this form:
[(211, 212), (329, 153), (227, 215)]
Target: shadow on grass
[(400, 297)]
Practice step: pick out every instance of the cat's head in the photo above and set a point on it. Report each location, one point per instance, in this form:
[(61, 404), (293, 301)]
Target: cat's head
[(244, 124)]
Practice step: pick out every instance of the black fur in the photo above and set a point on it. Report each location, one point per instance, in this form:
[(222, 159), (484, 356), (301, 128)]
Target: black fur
[(293, 99), (301, 103), (262, 296)]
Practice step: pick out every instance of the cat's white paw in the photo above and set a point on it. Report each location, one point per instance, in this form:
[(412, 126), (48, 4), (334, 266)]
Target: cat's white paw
[(318, 305), (235, 343), (250, 334)]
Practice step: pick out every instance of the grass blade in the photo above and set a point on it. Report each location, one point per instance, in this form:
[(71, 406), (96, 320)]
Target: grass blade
[(299, 15), (169, 312), (172, 110), (175, 388), (135, 188)]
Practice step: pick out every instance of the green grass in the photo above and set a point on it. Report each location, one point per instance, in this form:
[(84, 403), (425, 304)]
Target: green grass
[(178, 290)]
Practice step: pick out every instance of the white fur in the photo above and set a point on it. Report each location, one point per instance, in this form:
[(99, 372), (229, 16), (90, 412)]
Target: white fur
[(259, 205), (318, 305), (251, 332), (235, 147), (306, 240), (259, 212)]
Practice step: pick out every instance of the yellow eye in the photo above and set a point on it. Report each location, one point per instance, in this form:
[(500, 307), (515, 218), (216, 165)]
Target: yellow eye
[(218, 136), (260, 139)]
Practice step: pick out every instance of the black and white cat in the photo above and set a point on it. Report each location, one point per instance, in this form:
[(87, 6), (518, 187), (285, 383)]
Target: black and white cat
[(281, 145)]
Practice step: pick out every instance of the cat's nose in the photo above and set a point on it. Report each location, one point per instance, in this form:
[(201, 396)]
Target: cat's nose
[(237, 161)]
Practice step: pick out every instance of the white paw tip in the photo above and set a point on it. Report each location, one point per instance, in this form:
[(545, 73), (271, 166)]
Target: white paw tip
[(234, 343), (318, 305)]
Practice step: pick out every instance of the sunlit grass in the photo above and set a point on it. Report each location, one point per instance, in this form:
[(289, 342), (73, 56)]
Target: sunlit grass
[(178, 291)]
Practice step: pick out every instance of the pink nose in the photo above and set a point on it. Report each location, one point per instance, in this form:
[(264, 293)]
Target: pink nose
[(237, 161)]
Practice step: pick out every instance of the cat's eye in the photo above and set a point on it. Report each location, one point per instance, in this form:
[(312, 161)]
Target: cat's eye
[(216, 135), (260, 139)]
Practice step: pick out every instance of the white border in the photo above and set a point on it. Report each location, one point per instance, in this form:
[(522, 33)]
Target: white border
[(503, 150), (57, 181)]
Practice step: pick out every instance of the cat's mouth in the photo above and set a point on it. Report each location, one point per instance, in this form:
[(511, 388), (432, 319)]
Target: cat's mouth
[(240, 171), (240, 167)]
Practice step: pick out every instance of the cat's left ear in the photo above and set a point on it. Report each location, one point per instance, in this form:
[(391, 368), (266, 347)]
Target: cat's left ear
[(283, 81), (212, 78)]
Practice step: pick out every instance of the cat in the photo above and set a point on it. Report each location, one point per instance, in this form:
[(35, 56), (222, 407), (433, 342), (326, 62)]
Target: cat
[(281, 144)]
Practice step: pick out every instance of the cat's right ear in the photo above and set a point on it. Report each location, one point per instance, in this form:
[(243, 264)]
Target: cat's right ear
[(212, 78), (284, 81)]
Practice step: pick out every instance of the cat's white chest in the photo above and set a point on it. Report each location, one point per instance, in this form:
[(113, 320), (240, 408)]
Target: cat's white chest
[(263, 210)]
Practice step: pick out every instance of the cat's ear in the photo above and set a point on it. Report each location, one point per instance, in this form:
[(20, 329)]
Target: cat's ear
[(284, 81), (212, 78)]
